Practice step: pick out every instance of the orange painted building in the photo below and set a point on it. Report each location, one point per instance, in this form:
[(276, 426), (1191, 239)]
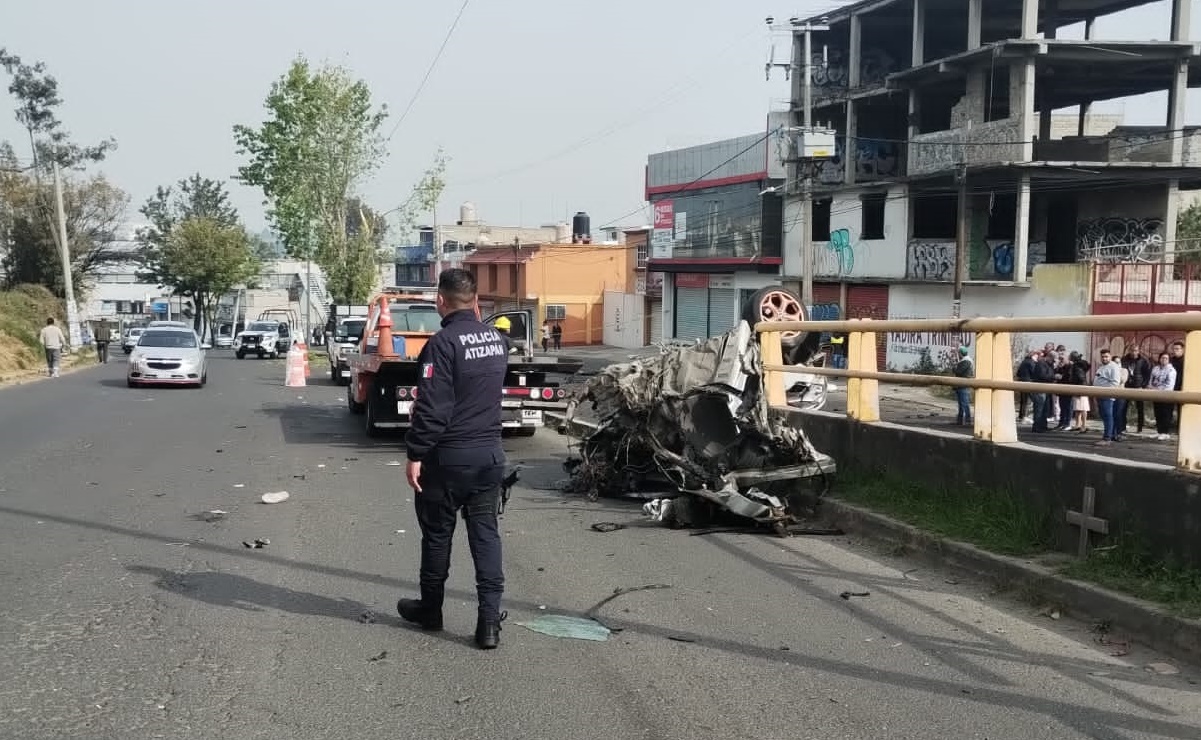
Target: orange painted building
[(562, 283)]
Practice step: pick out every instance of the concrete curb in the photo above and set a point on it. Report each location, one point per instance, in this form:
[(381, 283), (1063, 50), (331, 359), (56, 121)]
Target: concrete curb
[(1143, 622)]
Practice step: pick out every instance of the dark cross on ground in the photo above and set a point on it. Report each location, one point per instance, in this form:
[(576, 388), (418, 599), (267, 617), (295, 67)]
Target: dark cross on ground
[(1086, 521)]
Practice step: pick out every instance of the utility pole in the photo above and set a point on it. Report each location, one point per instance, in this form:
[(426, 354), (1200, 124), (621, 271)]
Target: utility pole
[(961, 240), (64, 251), (517, 270), (804, 162)]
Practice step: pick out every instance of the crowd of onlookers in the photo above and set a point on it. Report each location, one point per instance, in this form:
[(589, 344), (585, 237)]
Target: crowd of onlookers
[(1067, 412)]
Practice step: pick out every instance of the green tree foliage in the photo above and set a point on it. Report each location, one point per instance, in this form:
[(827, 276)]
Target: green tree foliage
[(195, 244), (320, 142), (94, 208), (204, 258), (38, 100), (1188, 234)]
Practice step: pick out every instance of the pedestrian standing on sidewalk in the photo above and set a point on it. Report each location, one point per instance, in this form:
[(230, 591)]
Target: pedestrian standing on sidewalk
[(964, 369), (456, 462), (104, 336), (1078, 376), (1063, 377), (546, 332), (1043, 372), (1163, 378), (53, 342), (1176, 352), (1108, 375), (1138, 371), (1025, 374), (1052, 359), (556, 333)]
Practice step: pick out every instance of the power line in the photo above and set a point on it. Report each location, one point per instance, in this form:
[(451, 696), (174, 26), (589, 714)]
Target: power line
[(416, 93)]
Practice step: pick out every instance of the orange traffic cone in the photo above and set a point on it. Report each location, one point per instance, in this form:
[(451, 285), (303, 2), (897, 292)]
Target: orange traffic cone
[(305, 349)]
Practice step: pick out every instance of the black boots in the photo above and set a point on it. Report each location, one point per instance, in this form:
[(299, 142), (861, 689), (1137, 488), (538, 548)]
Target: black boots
[(415, 611), (487, 631)]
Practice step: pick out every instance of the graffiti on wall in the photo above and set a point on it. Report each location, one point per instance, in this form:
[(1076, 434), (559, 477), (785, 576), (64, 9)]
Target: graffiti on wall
[(987, 260), (842, 250), (874, 160), (1113, 238), (1151, 344), (829, 71), (930, 260)]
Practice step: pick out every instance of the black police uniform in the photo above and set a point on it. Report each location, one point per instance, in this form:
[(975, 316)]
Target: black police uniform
[(455, 433)]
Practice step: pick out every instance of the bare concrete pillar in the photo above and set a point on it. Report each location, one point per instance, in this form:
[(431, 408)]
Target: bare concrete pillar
[(1181, 11), (1029, 19), (1021, 232), (1051, 27), (1170, 213), (1021, 104), (919, 32), (915, 112), (975, 14), (855, 63), (1177, 97), (850, 158)]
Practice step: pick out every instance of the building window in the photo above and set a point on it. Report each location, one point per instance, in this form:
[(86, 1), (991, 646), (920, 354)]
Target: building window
[(642, 254), (513, 279), (556, 312), (821, 220), (872, 206), (493, 279)]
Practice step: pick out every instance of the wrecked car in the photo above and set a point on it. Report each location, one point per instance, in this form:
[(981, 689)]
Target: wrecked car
[(692, 429)]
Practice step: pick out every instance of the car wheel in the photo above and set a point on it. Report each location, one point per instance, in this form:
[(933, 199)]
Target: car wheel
[(130, 383), (240, 355), (335, 374), (372, 429), (204, 379), (354, 406), (775, 303)]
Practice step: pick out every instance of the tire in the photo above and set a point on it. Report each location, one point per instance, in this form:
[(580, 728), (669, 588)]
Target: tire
[(354, 406), (240, 355), (525, 431), (335, 374), (204, 379), (130, 383), (369, 419), (776, 303)]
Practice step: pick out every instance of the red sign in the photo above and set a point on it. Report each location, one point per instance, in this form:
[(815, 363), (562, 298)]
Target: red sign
[(664, 214), (692, 280)]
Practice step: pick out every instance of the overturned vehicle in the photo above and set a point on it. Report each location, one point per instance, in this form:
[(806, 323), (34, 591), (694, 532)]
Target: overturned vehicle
[(691, 429)]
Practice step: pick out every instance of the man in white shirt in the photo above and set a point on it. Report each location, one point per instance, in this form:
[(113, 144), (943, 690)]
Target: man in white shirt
[(1108, 375), (53, 342)]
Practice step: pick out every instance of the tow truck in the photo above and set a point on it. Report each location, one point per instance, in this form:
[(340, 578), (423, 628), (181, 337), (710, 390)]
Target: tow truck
[(384, 368)]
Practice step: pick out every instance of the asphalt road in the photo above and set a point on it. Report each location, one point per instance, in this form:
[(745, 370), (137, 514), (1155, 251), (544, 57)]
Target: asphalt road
[(127, 615)]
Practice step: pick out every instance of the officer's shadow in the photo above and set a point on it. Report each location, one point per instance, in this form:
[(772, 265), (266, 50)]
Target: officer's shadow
[(247, 594)]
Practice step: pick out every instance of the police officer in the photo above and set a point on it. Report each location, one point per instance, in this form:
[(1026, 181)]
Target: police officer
[(456, 462)]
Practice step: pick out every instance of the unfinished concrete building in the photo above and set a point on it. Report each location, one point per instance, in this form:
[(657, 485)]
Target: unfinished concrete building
[(966, 141)]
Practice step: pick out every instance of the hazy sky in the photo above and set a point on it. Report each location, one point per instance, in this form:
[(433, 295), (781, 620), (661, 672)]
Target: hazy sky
[(545, 107)]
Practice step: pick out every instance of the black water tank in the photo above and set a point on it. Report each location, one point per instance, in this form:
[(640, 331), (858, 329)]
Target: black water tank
[(581, 228)]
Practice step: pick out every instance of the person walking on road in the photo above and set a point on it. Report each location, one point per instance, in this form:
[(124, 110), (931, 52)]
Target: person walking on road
[(53, 342), (1108, 375), (456, 463), (964, 369), (1163, 378), (104, 336)]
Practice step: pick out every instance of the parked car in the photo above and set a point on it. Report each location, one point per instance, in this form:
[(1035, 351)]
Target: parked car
[(170, 355), (263, 338), (129, 339), (175, 324), (225, 337)]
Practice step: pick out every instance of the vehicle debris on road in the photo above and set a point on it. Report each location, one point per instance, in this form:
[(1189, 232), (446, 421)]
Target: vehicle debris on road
[(693, 425), (275, 498)]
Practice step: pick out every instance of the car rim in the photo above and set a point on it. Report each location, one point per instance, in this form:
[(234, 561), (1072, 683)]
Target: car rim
[(780, 306)]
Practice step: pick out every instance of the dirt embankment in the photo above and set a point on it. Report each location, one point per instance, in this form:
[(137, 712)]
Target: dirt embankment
[(23, 313)]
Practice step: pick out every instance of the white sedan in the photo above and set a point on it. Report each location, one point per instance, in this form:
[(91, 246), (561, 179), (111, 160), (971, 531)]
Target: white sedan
[(168, 355)]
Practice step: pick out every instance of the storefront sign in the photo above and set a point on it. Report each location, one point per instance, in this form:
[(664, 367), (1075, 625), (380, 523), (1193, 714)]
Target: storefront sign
[(721, 282), (640, 283), (681, 226), (661, 244), (692, 280), (654, 284), (664, 216)]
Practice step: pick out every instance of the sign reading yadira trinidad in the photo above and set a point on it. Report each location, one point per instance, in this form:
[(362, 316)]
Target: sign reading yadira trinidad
[(664, 215), (661, 235)]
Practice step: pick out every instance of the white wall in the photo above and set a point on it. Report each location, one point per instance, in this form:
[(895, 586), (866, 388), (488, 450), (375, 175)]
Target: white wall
[(848, 255), (625, 320), (1055, 290)]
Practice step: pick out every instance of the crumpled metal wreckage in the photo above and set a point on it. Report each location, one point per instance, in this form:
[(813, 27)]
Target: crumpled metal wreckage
[(692, 427)]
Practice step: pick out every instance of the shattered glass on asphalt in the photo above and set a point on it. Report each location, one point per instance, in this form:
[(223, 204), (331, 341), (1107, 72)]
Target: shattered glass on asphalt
[(693, 420)]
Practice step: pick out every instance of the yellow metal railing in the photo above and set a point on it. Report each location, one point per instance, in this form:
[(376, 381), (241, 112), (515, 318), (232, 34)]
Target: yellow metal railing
[(993, 408)]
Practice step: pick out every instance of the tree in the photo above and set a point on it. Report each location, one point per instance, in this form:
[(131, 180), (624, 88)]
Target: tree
[(37, 105), (203, 259), (94, 208), (425, 194), (320, 142), (194, 201), (1188, 234)]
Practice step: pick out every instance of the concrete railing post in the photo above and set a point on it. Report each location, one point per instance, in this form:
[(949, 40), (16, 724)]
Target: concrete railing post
[(854, 385), (982, 408), (1188, 447), (1004, 429), (869, 390), (773, 380)]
